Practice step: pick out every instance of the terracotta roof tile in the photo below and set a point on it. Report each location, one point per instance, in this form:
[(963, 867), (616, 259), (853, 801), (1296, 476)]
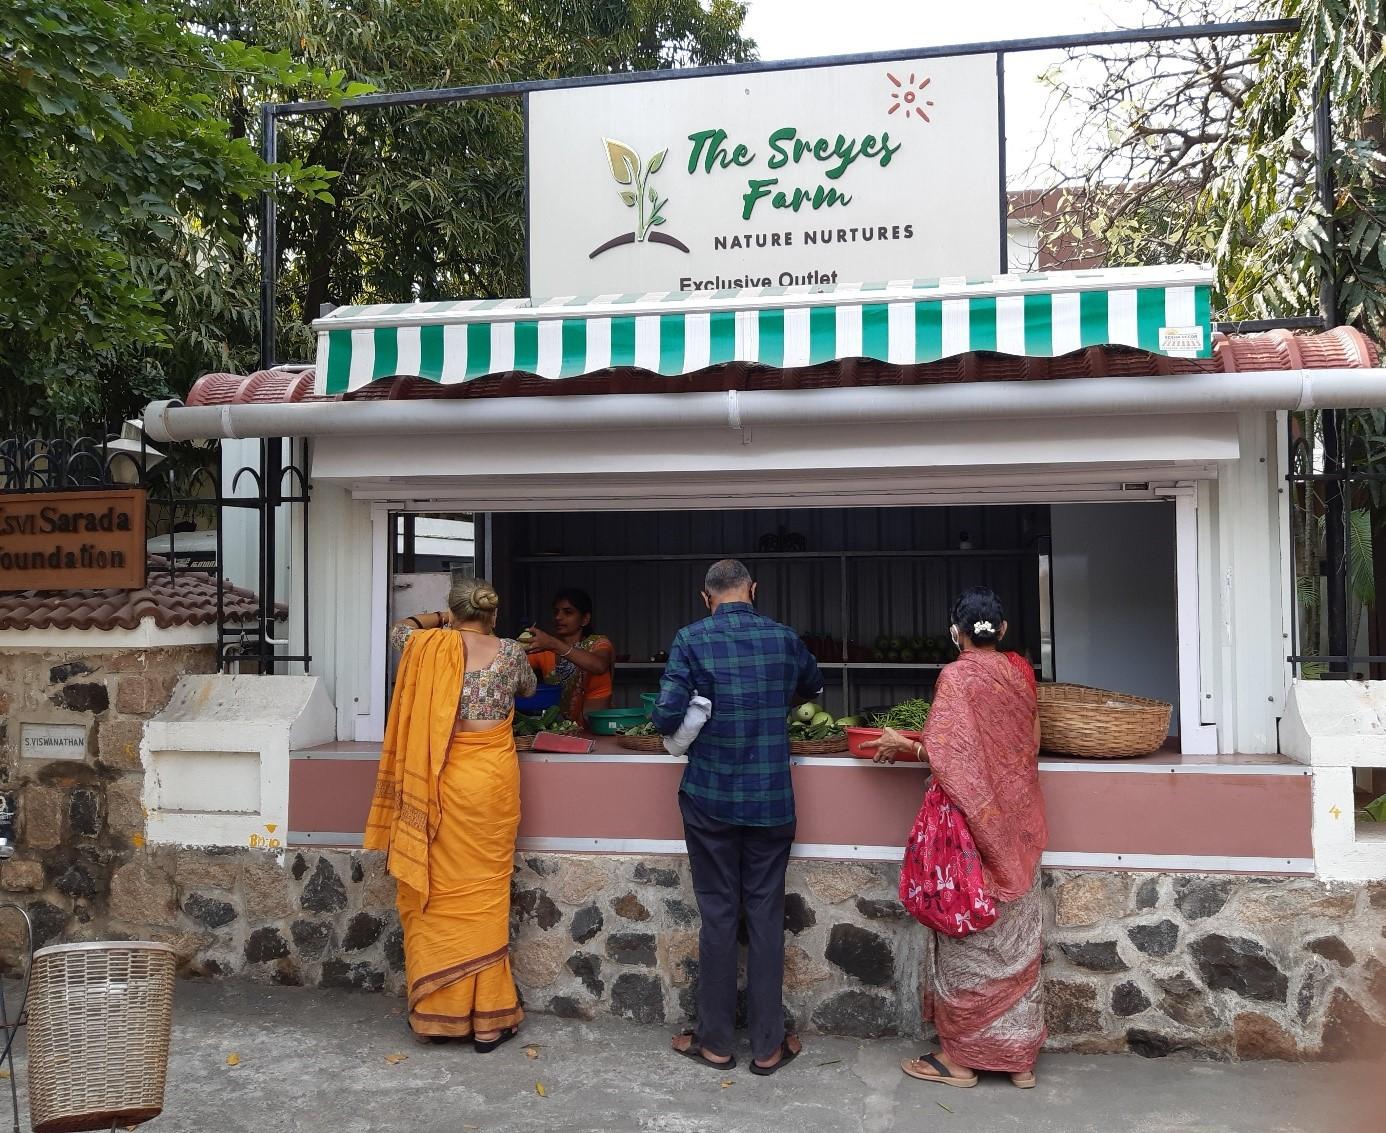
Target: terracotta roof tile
[(1274, 350), (180, 599)]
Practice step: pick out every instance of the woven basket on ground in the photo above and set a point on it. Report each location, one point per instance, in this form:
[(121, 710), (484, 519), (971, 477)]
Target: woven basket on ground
[(524, 743), (818, 747), (641, 743), (1096, 724), (99, 1022)]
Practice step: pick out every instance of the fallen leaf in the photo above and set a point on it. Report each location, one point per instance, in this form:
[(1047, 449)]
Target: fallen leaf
[(233, 1060), (531, 1052), (942, 1106), (4, 1074), (830, 1062), (727, 1083), (396, 1059), (539, 1089)]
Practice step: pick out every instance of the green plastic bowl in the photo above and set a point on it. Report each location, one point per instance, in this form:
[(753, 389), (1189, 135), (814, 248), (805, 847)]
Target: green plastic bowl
[(613, 721), (649, 699)]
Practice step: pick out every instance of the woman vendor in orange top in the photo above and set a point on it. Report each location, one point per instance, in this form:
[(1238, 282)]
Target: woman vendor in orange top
[(573, 655)]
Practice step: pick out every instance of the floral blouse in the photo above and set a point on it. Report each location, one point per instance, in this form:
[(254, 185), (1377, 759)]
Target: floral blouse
[(489, 693)]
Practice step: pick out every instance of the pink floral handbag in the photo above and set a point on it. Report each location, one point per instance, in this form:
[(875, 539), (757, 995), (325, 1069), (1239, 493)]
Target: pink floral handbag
[(941, 882)]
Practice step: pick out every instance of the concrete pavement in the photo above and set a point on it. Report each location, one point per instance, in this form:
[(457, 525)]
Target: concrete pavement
[(309, 1060)]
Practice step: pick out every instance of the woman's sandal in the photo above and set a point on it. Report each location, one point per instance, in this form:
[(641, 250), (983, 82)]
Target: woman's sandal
[(786, 1056), (941, 1072), (486, 1046), (694, 1050), (427, 1040), (1025, 1080)]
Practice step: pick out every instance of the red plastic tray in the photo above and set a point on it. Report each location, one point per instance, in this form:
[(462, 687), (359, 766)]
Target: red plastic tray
[(858, 736)]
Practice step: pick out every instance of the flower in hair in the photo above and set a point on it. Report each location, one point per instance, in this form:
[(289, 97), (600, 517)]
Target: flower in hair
[(982, 627)]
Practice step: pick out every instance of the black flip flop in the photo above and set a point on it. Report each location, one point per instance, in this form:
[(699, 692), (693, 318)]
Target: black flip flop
[(694, 1051), (786, 1056), (481, 1046)]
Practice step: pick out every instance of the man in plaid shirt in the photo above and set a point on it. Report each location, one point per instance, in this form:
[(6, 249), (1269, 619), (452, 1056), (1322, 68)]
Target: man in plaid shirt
[(738, 807)]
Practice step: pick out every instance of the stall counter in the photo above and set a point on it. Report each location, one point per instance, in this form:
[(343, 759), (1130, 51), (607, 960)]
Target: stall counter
[(1246, 814)]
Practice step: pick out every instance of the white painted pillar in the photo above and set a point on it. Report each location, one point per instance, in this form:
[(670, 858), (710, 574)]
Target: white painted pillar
[(1250, 577), (1195, 736)]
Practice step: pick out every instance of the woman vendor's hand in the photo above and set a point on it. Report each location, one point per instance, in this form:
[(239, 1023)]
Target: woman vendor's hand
[(542, 642), (889, 746)]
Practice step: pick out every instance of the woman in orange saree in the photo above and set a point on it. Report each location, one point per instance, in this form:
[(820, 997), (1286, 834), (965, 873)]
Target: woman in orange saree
[(574, 656), (446, 809), (982, 991)]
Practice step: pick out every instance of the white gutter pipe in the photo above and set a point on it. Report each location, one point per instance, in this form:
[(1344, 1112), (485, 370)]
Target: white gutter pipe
[(1266, 390)]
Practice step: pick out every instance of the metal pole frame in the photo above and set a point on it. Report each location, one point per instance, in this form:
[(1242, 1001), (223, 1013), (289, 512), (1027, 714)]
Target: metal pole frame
[(271, 112)]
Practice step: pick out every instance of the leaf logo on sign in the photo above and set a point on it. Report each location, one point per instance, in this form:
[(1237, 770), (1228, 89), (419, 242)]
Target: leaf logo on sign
[(633, 176)]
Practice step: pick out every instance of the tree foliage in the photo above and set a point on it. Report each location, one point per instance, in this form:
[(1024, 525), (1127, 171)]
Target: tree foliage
[(128, 204), (1203, 149), (123, 196), (430, 202)]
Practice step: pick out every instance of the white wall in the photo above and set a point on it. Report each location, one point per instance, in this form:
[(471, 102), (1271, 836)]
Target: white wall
[(1115, 610)]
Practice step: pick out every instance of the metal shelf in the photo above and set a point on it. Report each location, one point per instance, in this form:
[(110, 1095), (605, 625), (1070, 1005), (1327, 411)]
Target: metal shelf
[(763, 556)]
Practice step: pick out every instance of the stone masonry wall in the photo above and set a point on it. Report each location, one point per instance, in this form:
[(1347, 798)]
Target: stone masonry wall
[(79, 822), (1220, 968)]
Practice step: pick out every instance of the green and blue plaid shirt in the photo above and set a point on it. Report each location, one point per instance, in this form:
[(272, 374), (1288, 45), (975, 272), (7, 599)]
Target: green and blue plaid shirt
[(752, 669)]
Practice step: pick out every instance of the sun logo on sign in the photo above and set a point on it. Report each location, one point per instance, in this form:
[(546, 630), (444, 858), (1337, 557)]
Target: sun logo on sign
[(910, 97)]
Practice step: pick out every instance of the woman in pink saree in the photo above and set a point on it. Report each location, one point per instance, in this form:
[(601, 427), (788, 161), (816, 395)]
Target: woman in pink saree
[(982, 992)]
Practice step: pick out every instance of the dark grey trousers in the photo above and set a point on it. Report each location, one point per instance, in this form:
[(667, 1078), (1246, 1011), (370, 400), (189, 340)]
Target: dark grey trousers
[(738, 870)]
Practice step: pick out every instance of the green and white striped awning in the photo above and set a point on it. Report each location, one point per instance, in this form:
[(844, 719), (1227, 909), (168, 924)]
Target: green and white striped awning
[(1163, 310)]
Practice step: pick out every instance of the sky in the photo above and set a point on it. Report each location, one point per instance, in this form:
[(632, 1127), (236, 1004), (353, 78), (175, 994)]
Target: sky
[(787, 29)]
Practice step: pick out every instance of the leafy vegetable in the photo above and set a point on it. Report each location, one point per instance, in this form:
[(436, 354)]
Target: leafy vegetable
[(550, 720), (907, 716), (645, 729)]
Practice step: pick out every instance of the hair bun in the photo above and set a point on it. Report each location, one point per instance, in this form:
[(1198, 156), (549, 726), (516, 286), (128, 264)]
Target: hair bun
[(485, 598)]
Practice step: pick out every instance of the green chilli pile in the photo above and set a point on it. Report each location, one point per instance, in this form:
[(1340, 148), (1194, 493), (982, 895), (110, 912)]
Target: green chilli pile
[(907, 716)]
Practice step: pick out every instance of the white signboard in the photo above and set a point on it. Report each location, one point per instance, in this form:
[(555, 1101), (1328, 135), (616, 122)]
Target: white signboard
[(53, 741), (864, 173)]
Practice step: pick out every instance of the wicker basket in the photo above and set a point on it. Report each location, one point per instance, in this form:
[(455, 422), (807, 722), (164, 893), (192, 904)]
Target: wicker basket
[(99, 1022), (524, 743), (641, 743), (1096, 724), (818, 747)]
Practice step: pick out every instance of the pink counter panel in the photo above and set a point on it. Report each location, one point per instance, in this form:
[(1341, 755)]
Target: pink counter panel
[(1215, 813)]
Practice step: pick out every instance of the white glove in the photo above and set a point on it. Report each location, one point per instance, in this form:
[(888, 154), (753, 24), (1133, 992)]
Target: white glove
[(699, 709)]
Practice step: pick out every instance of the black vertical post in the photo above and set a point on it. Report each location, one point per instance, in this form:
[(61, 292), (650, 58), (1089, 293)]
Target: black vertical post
[(269, 251), (1005, 204), (272, 471), (271, 449), (1335, 512)]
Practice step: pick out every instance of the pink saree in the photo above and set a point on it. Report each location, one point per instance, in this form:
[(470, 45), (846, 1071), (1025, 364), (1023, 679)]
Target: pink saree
[(982, 992)]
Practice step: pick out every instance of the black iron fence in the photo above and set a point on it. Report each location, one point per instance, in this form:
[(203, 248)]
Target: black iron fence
[(1336, 481), (190, 499)]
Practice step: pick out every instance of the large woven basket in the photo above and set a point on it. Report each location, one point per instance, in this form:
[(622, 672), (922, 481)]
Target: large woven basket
[(99, 1021), (1096, 724), (818, 747), (641, 743), (524, 743)]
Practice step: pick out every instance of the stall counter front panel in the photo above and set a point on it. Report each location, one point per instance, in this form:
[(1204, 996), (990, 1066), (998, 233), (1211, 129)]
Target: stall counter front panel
[(1181, 814)]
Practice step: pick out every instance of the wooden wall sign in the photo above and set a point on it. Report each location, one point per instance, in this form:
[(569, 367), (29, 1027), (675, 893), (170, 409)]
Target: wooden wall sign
[(72, 540)]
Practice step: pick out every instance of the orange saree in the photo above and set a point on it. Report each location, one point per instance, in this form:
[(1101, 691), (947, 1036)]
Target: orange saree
[(446, 809)]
